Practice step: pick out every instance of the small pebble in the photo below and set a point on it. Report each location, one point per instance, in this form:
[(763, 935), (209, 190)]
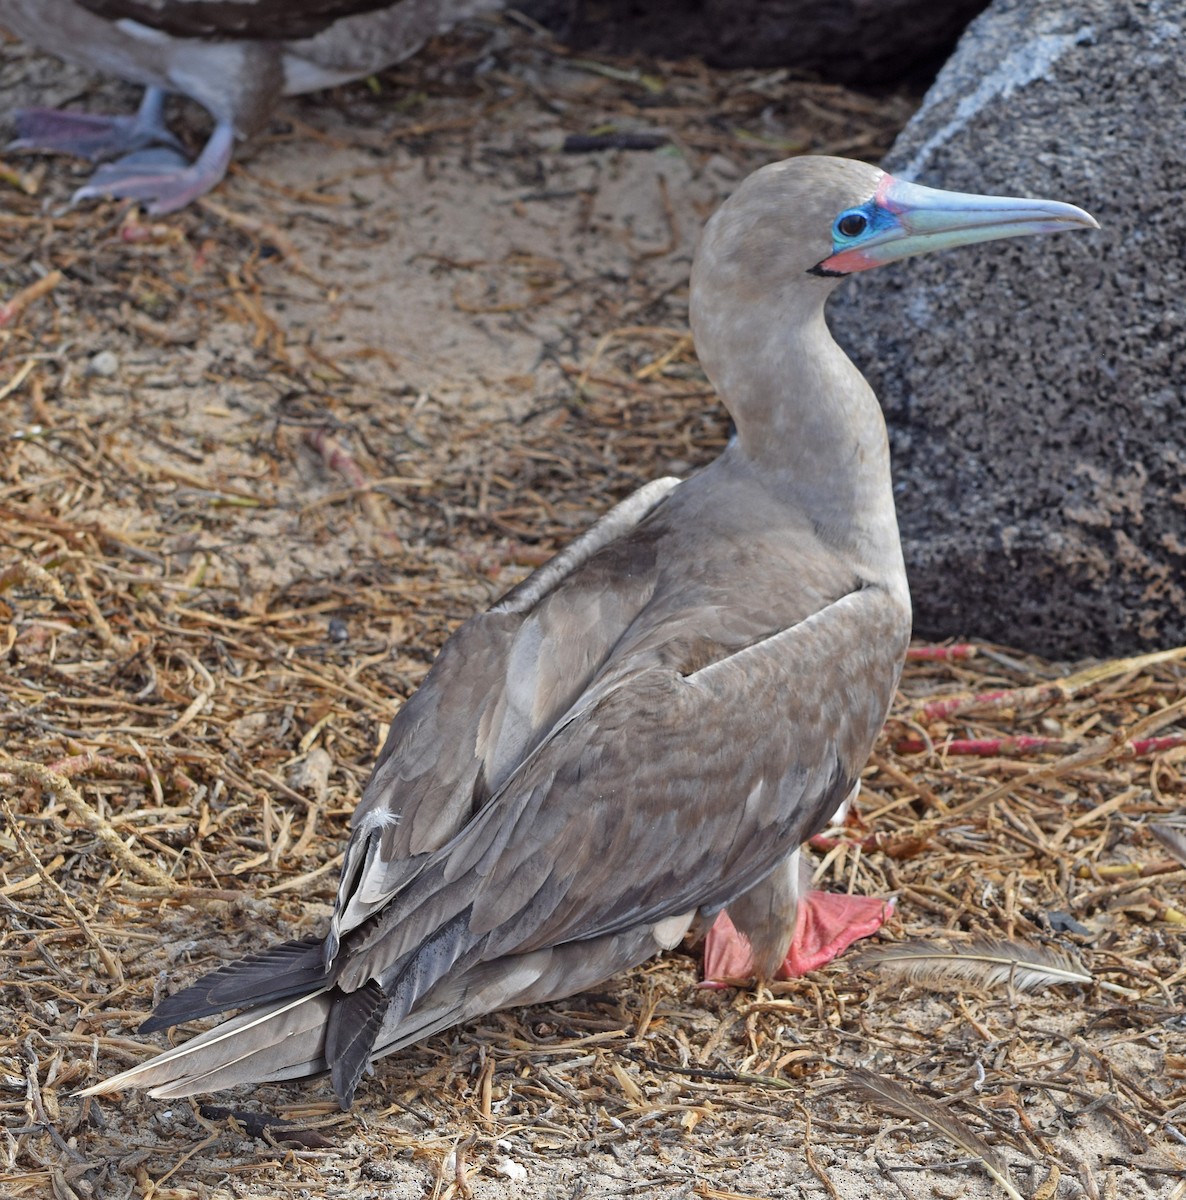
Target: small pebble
[(104, 364), (1061, 922), (514, 1171)]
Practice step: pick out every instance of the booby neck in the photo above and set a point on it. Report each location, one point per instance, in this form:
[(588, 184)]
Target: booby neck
[(808, 425)]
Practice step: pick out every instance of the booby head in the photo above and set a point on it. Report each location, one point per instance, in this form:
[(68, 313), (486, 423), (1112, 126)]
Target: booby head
[(826, 218)]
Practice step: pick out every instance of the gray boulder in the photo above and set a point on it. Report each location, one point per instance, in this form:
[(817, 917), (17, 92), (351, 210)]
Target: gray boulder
[(1036, 390)]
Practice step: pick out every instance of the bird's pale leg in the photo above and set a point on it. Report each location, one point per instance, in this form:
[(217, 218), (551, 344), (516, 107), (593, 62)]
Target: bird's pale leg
[(161, 179), (826, 924), (94, 135)]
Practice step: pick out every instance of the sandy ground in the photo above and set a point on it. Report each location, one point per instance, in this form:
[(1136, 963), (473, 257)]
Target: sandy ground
[(262, 456)]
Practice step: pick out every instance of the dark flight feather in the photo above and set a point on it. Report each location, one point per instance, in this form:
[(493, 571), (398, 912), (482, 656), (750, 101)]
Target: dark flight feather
[(354, 1023), (285, 970)]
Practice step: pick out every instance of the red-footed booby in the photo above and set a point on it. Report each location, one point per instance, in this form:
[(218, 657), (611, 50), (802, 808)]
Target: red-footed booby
[(644, 732), (236, 58)]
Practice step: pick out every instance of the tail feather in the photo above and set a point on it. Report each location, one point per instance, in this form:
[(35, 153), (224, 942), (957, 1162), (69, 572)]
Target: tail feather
[(298, 1022), (290, 969), (386, 999), (283, 1040), (449, 949), (353, 1025), (288, 1039)]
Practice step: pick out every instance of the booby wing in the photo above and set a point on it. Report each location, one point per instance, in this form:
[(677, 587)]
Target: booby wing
[(665, 793), (659, 794), (569, 638), (497, 686)]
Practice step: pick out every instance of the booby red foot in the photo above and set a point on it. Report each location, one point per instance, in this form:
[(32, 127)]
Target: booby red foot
[(826, 925)]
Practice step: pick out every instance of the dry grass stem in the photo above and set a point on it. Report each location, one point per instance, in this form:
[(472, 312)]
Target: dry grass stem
[(61, 787)]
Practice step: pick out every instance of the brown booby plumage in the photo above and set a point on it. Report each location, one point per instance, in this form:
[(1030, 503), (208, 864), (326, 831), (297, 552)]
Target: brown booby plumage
[(236, 58), (645, 731)]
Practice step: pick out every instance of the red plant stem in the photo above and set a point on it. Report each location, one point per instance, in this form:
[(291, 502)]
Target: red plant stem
[(953, 653), (1023, 744), (336, 456), (1043, 693), (985, 747), (1154, 745), (820, 842)]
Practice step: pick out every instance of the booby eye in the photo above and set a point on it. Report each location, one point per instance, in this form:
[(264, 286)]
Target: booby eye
[(852, 224)]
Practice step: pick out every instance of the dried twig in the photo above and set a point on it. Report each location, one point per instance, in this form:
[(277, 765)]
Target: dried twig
[(28, 295), (110, 964), (63, 789)]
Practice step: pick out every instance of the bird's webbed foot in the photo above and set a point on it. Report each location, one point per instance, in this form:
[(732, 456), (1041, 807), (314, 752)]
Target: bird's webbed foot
[(94, 135), (160, 178), (826, 924)]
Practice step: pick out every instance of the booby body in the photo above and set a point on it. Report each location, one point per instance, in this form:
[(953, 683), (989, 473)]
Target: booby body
[(236, 58), (645, 731)]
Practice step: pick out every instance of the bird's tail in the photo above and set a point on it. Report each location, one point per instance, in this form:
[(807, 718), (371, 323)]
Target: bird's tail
[(300, 1019), (281, 1040), (286, 1038), (282, 972)]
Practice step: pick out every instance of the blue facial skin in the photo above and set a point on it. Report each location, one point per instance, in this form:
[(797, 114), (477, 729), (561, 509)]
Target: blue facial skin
[(877, 220)]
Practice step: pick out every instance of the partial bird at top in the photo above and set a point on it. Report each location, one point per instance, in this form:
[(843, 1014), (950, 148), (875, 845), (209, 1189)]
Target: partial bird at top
[(644, 732), (236, 58)]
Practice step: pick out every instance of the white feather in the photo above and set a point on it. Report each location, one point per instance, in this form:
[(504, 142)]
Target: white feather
[(985, 963)]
